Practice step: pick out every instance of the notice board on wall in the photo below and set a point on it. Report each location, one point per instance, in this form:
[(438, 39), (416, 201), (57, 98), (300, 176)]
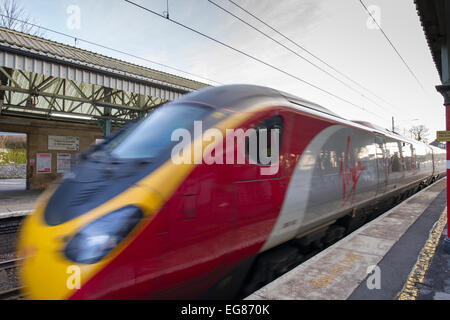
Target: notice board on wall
[(63, 162), (44, 163)]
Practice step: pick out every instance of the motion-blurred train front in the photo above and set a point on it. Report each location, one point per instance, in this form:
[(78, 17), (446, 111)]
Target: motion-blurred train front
[(129, 222)]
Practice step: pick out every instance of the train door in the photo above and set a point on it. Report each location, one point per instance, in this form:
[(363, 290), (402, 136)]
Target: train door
[(200, 232), (434, 161), (362, 168), (382, 164), (396, 165), (258, 186), (424, 160), (408, 167)]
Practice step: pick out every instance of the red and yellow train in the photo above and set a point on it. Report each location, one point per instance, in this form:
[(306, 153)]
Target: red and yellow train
[(133, 224)]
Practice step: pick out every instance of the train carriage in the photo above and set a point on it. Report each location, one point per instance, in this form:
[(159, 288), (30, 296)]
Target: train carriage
[(137, 225)]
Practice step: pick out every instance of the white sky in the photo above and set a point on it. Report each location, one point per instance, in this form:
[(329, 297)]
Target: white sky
[(335, 30)]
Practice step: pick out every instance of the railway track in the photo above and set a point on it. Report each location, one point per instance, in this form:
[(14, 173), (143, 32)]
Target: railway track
[(13, 294), (8, 264), (10, 290), (8, 234)]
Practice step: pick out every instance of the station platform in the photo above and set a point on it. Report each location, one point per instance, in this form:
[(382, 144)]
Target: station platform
[(14, 200), (391, 257)]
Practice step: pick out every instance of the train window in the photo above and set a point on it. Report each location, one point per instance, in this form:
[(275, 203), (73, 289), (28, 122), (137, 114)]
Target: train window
[(152, 135), (264, 130)]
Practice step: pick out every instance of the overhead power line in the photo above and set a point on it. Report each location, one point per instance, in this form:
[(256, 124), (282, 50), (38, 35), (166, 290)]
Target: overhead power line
[(251, 57), (112, 49), (393, 47), (311, 53), (298, 55)]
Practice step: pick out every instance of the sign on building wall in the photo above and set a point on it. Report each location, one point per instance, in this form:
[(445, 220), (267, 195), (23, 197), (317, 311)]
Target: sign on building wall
[(443, 136), (44, 163), (63, 162), (63, 143)]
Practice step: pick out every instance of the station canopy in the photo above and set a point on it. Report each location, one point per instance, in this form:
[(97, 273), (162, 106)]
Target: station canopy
[(50, 80), (435, 19)]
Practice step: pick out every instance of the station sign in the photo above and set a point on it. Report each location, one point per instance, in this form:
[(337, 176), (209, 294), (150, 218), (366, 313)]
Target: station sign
[(63, 143), (443, 136)]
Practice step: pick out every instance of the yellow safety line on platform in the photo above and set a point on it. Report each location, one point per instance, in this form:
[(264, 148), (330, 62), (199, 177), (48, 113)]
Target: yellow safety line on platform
[(417, 276)]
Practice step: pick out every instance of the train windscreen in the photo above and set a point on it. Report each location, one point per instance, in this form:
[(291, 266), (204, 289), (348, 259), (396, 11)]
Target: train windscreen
[(152, 135)]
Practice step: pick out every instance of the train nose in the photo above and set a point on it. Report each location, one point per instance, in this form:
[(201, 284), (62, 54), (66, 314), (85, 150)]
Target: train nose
[(43, 271), (60, 259)]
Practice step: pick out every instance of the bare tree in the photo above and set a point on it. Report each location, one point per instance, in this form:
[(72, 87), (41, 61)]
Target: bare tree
[(420, 133), (13, 16)]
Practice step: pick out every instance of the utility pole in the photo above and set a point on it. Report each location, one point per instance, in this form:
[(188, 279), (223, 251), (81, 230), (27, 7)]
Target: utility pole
[(393, 127), (166, 13)]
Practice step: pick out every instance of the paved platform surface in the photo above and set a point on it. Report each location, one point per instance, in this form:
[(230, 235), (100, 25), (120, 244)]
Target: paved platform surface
[(374, 262), (436, 283), (14, 199)]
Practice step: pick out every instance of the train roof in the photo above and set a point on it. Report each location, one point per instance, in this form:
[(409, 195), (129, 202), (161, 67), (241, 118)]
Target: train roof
[(371, 125), (238, 97), (241, 96), (308, 104), (437, 149)]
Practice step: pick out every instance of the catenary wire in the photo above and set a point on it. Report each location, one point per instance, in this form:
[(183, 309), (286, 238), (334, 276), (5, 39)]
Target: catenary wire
[(393, 47), (251, 57), (300, 56), (312, 54)]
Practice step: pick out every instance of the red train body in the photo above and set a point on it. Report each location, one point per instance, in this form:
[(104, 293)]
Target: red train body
[(215, 224)]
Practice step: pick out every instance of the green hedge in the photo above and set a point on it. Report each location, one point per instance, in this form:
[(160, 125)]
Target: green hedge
[(17, 156)]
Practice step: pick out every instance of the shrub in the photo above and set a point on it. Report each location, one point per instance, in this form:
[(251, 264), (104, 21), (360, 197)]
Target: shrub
[(17, 156)]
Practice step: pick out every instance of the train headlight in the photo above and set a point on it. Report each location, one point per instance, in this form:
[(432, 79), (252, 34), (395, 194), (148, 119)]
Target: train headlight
[(97, 239)]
